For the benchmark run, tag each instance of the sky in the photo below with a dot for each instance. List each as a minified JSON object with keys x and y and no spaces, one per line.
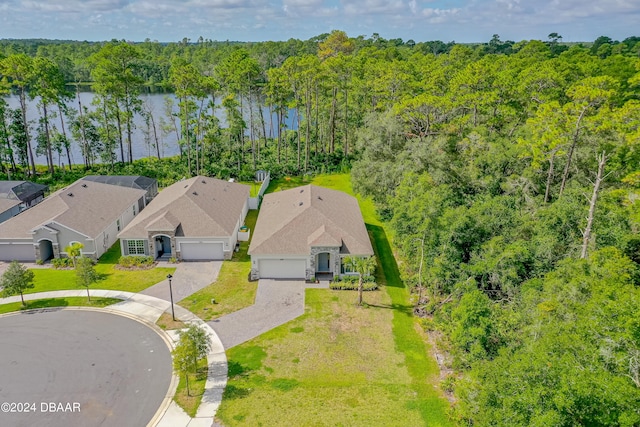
{"x":462,"y":21}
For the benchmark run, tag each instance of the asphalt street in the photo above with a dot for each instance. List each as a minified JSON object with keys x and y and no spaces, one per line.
{"x":80,"y":368}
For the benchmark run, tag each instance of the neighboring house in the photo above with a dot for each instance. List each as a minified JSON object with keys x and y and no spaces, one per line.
{"x":16,"y":196}
{"x":149,"y":185}
{"x":191,"y":220}
{"x":306,"y":231}
{"x":90,"y":213}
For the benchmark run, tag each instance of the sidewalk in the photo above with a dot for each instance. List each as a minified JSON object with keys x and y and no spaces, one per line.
{"x":148,"y":309}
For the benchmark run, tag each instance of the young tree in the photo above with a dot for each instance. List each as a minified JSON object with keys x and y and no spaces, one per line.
{"x":193,"y":346}
{"x":16,"y":280}
{"x":364,"y":266}
{"x":86,"y":274}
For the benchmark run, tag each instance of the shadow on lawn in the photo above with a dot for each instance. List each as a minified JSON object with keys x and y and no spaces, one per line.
{"x":388,"y":273}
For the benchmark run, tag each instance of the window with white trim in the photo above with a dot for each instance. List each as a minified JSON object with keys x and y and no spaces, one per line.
{"x":135,"y":247}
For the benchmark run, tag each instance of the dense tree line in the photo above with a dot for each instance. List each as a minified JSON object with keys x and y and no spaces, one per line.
{"x":507,"y":171}
{"x":511,"y":185}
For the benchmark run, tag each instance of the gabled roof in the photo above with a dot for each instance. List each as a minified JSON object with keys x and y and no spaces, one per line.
{"x":24,"y":191}
{"x":129,"y":181}
{"x":196,"y":207}
{"x":86,"y":207}
{"x":292,"y":221}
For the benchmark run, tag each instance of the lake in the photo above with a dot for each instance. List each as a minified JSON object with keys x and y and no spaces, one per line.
{"x":155,"y":102}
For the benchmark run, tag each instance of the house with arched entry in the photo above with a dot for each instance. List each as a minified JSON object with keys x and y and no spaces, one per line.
{"x":307,"y":232}
{"x":196,"y":219}
{"x":87,"y":212}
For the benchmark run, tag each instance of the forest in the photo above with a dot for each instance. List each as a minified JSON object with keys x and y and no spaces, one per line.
{"x":508,"y":173}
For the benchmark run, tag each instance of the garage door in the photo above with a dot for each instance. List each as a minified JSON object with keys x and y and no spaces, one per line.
{"x":283,"y":268}
{"x":17,"y":252}
{"x":201,"y":251}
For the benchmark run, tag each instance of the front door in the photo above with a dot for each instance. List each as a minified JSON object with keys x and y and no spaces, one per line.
{"x":323,"y":263}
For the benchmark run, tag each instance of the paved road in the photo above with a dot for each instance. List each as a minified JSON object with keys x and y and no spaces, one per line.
{"x":277,"y":302}
{"x":117,"y":369}
{"x":188,"y":279}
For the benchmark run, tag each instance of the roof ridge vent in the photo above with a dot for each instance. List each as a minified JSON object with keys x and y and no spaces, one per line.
{"x":301,"y":203}
{"x":195,"y":193}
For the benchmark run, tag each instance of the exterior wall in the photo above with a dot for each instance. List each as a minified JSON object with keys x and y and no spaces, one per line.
{"x":334,"y":259}
{"x":124,"y":248}
{"x":151,"y":243}
{"x":234,"y":236}
{"x":255,"y":263}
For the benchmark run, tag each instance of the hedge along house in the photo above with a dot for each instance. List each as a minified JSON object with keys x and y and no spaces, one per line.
{"x":90,"y":213}
{"x":16,"y":196}
{"x":193,"y":220}
{"x":305,"y":232}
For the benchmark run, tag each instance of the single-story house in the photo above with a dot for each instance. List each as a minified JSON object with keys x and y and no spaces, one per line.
{"x":307,"y":231}
{"x":16,"y":196}
{"x":90,"y":213}
{"x":191,"y":220}
{"x":147,"y":184}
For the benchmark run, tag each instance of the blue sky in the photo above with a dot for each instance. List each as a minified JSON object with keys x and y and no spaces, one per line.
{"x":258,"y":20}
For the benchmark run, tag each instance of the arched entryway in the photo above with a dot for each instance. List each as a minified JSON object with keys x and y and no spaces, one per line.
{"x":323,"y":262}
{"x":45,"y":249}
{"x":163,"y":246}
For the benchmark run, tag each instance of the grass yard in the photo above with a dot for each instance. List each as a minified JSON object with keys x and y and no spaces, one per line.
{"x":58,"y":302}
{"x":50,"y":279}
{"x":191,"y":400}
{"x":233,"y":290}
{"x":339,"y":364}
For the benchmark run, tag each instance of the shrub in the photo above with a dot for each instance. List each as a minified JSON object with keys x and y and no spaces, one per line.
{"x":135,"y":261}
{"x":350,"y":285}
{"x":62,"y":263}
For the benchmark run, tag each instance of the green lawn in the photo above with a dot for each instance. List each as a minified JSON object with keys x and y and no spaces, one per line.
{"x":339,"y":364}
{"x":233,"y":290}
{"x":189,"y":401}
{"x":58,"y":302}
{"x":50,"y":279}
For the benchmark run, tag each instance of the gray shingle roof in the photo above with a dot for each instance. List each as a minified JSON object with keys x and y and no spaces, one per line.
{"x":86,"y":207}
{"x":292,"y":221}
{"x":196,"y":207}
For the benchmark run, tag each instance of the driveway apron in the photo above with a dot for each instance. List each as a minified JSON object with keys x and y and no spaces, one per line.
{"x":277,"y":302}
{"x":188,"y":279}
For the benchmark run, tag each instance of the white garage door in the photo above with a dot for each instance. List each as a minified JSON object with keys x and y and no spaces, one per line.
{"x":201,"y":251}
{"x":283,"y":268}
{"x":17,"y":252}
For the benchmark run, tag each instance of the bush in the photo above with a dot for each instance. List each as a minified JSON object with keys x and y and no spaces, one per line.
{"x":62,"y":262}
{"x":135,"y":261}
{"x":351,"y":285}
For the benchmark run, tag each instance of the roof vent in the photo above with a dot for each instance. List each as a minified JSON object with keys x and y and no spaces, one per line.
{"x":302,"y":191}
{"x":84,"y":185}
{"x":319,"y":198}
{"x":70,"y":194}
{"x":186,"y":186}
{"x":195,"y":193}
{"x":300,"y":204}
{"x":204,"y":182}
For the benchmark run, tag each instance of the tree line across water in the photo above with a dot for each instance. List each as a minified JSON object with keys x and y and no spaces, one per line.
{"x":508,"y":174}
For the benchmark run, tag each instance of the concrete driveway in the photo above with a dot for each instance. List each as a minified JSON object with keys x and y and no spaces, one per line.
{"x":277,"y":302}
{"x":188,"y":279}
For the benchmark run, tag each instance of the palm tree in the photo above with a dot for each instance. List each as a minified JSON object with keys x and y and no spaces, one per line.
{"x":364,"y":266}
{"x":74,"y":250}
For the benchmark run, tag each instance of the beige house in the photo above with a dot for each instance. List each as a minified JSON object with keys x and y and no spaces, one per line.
{"x":194,"y":219}
{"x":90,"y":213}
{"x":305,"y":232}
